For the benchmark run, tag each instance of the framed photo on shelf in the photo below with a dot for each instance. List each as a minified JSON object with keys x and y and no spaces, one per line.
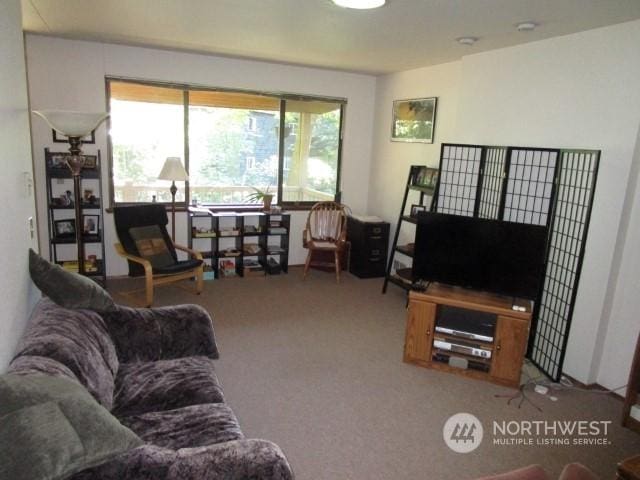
{"x":57,"y":160}
{"x":413,"y":120}
{"x":415,"y":209}
{"x":426,"y":177}
{"x":65,"y":228}
{"x":90,"y":224}
{"x":90,"y":162}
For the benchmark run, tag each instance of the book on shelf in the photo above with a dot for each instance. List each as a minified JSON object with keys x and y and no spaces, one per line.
{"x":72,"y":266}
{"x":251,"y":249}
{"x":227,"y":268}
{"x":273,"y":249}
{"x":229,"y":232}
{"x":277,"y":230}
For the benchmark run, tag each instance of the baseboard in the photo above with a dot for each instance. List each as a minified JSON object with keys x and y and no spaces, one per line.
{"x":595,"y":387}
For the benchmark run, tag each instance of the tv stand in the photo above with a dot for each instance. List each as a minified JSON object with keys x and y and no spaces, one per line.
{"x":496,"y":357}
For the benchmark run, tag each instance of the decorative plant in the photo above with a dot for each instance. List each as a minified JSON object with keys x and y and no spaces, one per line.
{"x":259,"y":195}
{"x":265,"y":196}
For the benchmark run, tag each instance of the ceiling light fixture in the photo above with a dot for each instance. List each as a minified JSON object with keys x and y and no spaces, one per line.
{"x":466,"y":40}
{"x":526,"y":26}
{"x":359,"y":4}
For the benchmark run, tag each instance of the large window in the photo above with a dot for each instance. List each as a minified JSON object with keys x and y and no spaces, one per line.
{"x":231,"y":143}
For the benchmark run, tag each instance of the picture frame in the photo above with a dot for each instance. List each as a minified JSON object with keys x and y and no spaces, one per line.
{"x":415,"y":209}
{"x":413,"y":120}
{"x":426,"y":178}
{"x":91,"y":224}
{"x":57,"y":160}
{"x":90,"y":162}
{"x":65,"y":228}
{"x":59,"y":138}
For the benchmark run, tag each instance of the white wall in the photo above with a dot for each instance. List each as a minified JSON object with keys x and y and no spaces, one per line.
{"x":622,"y":305}
{"x":574,"y":91}
{"x":66,"y":74}
{"x":391,"y":160}
{"x":18,"y":293}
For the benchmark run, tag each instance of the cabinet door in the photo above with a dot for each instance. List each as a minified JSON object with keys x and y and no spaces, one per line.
{"x":510,"y":345}
{"x":419,"y":334}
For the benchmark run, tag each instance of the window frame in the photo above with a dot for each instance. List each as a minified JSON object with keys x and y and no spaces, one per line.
{"x":186,"y":89}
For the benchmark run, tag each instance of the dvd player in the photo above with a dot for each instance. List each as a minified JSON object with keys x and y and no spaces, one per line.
{"x":467,"y":324}
{"x":458,"y":348}
{"x":462,"y":334}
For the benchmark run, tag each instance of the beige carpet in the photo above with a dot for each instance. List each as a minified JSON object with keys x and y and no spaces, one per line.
{"x":317,"y":368}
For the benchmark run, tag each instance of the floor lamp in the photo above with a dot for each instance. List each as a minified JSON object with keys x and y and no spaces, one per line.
{"x":174,"y":171}
{"x":75,"y":126}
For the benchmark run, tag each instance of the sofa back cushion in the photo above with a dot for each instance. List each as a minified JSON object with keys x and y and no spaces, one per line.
{"x":77,"y":339}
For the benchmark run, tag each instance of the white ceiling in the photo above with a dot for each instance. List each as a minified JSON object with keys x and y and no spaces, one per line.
{"x":402,"y":35}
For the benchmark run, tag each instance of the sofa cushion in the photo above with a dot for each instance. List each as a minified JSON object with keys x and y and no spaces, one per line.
{"x":50,"y":427}
{"x":68,"y":289}
{"x":78,"y":339}
{"x":186,"y":427}
{"x":151,"y":245}
{"x":165,"y":385}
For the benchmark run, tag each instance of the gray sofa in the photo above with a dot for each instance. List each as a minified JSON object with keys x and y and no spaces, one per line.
{"x":153,"y":369}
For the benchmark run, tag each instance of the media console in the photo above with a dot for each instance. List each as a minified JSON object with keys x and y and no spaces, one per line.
{"x":471,"y":333}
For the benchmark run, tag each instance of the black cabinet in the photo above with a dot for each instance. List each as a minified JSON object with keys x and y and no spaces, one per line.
{"x":369,"y":244}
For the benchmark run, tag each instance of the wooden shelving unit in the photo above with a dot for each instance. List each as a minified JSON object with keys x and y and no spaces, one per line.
{"x":632,"y":398}
{"x":60,"y":208}
{"x":505,"y":352}
{"x":241,"y":243}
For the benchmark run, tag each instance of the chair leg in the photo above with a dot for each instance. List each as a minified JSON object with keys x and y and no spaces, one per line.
{"x":199,"y":279}
{"x":148,"y":280}
{"x":337,"y":260}
{"x":306,"y":265}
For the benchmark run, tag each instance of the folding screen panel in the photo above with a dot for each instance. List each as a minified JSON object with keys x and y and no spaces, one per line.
{"x":458,"y":179}
{"x":529,"y":191}
{"x":578,"y":172}
{"x":538,"y":186}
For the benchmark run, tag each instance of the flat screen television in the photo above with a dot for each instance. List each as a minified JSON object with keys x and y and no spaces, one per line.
{"x":490,"y":255}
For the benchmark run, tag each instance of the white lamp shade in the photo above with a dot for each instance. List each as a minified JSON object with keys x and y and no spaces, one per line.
{"x":72,"y":124}
{"x":173,"y":170}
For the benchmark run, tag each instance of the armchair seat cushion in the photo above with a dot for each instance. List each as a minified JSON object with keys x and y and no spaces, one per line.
{"x":177,"y":267}
{"x":186,"y":427}
{"x":165,"y":385}
{"x":324,"y":245}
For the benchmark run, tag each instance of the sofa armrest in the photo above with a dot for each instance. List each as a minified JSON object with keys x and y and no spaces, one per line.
{"x":150,"y":334}
{"x":235,"y":460}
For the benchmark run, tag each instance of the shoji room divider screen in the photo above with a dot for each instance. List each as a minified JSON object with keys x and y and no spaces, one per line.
{"x":543,"y":186}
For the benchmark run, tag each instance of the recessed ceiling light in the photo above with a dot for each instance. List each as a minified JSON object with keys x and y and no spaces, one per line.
{"x":359,"y":4}
{"x":466,"y":40}
{"x":526,"y":26}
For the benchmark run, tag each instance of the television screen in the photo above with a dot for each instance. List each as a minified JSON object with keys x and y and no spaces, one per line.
{"x":490,"y":255}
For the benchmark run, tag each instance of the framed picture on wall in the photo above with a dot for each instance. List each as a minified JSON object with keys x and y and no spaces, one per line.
{"x":413,"y":120}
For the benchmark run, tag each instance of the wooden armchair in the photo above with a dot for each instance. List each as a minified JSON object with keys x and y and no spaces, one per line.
{"x":145,"y":243}
{"x":326,"y":231}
